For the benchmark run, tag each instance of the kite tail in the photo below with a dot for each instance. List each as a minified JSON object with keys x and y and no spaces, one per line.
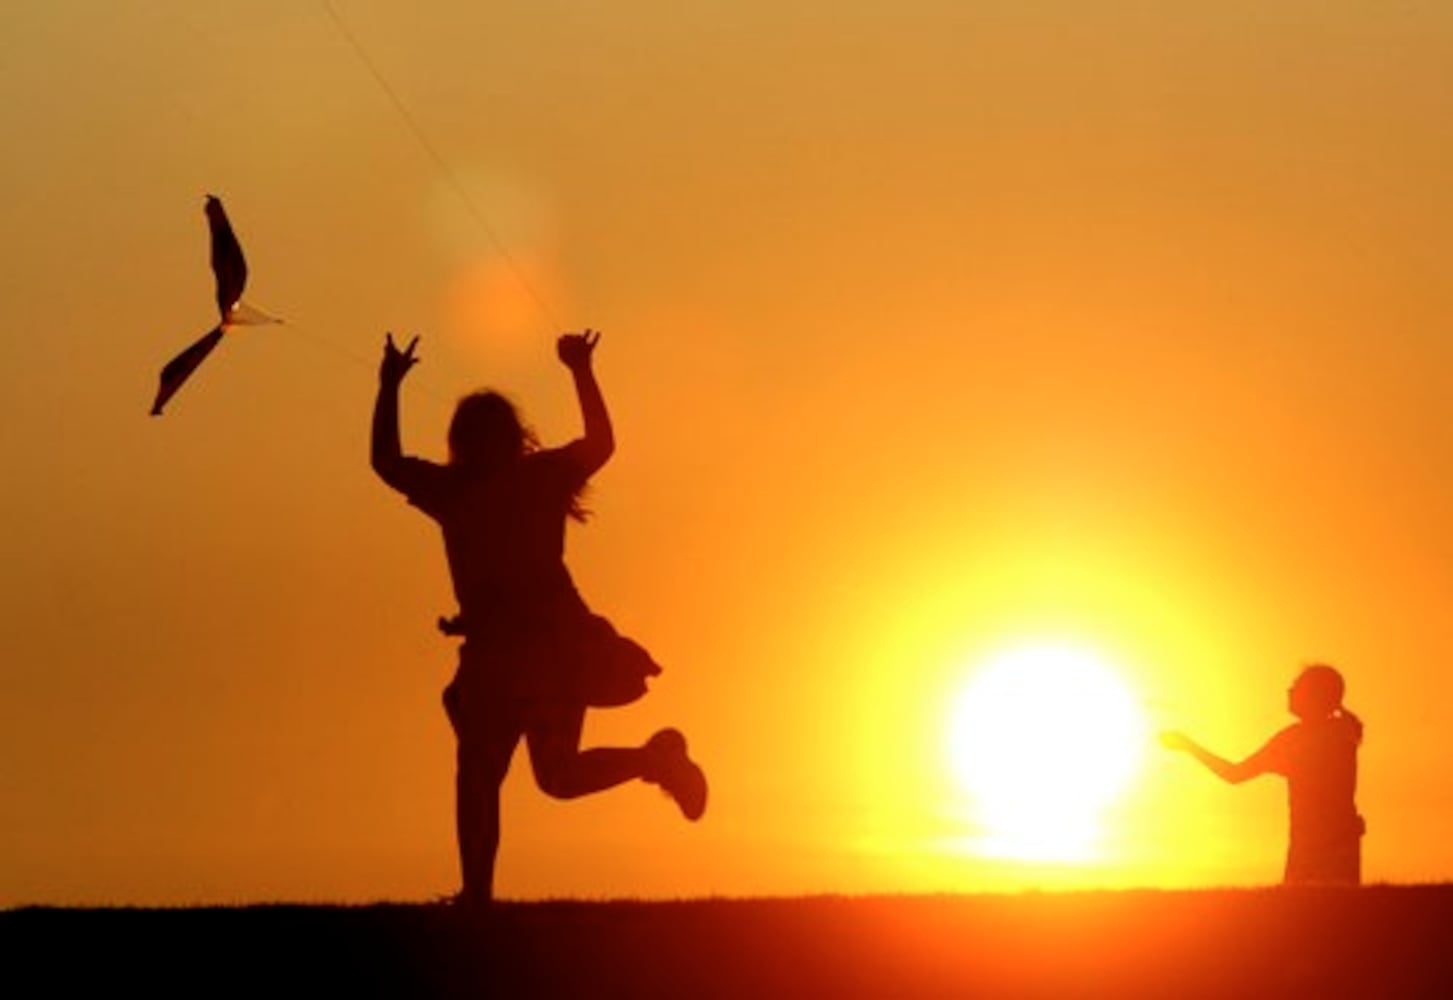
{"x":180,"y":367}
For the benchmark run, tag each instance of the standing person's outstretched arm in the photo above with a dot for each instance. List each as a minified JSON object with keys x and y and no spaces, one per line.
{"x":1234,"y":772}
{"x":575,"y":351}
{"x":387,"y":452}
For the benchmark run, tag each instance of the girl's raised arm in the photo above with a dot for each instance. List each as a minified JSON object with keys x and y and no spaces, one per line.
{"x":575,"y":351}
{"x":387,"y":453}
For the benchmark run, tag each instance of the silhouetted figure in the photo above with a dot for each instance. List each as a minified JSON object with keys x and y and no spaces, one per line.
{"x":534,"y":656}
{"x":1318,"y":757}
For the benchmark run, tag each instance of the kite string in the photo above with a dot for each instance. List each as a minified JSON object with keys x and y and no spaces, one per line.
{"x":423,"y":386}
{"x":442,"y":165}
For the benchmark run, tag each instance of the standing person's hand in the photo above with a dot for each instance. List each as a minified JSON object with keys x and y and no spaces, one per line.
{"x":1173,"y":740}
{"x":396,"y":363}
{"x":575,"y":349}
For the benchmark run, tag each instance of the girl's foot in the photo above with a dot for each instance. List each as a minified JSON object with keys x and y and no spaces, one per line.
{"x":679,"y":777}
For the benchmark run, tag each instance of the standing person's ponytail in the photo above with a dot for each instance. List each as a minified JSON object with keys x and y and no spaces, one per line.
{"x":1324,"y":690}
{"x":1343,"y":712}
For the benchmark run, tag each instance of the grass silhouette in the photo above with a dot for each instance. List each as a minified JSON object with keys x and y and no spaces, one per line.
{"x":1379,"y":941}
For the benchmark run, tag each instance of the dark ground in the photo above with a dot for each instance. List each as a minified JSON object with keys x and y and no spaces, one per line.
{"x":1376,"y":942}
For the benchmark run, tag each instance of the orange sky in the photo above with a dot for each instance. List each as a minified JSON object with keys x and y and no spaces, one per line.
{"x":931,"y":328}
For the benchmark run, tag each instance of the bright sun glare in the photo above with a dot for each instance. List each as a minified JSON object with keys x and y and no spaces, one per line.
{"x":1043,"y":738}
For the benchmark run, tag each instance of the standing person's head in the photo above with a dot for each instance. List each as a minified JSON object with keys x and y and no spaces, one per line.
{"x":1317,"y":694}
{"x":487,"y":432}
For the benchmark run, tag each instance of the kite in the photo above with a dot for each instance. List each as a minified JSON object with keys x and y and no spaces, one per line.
{"x":230,"y":269}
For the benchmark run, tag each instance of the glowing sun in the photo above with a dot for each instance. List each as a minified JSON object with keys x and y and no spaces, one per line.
{"x":1043,"y":738}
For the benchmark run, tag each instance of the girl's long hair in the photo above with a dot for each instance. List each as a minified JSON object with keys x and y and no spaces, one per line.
{"x":486,"y":432}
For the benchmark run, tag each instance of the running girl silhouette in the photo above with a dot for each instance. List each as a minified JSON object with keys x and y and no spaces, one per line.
{"x":534,"y":657}
{"x":1318,"y":756}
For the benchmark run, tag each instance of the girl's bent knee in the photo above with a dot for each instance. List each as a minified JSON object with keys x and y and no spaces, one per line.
{"x":558,"y":783}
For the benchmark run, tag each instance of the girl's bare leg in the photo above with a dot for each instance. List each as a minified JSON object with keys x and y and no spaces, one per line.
{"x":565,"y":771}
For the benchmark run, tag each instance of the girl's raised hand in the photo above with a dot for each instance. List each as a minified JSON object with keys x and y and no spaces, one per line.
{"x":575,"y":349}
{"x":396,"y":363}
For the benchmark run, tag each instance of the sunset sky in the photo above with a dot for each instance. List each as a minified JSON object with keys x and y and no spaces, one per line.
{"x":934,"y":331}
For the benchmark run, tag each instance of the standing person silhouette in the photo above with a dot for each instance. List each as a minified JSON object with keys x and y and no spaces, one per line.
{"x":534,"y":656}
{"x":1318,"y":757}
